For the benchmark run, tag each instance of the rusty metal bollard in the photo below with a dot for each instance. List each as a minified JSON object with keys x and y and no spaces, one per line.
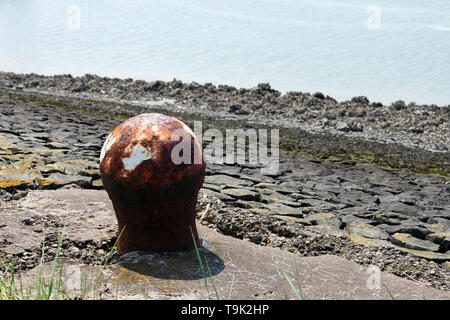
{"x":154,"y":197}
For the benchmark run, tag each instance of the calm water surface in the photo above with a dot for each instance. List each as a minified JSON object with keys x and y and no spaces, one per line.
{"x":386,"y":50}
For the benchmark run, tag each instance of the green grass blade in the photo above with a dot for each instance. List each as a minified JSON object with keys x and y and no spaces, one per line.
{"x":55,"y":261}
{"x":117,"y":291}
{"x":299,"y":296}
{"x":297,"y":276}
{"x":84,"y":289}
{"x":231,"y":288}
{"x":8,"y":290}
{"x":41,"y":268}
{"x":11,"y":282}
{"x":389,"y":291}
{"x":210,"y":277}
{"x":200,"y":262}
{"x":59,"y":290}
{"x":22,"y":296}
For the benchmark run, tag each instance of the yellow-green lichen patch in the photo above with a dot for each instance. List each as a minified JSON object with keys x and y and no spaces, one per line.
{"x":436,"y":227}
{"x":406,"y":240}
{"x":97,"y":184}
{"x":10,"y":158}
{"x":17,"y":167}
{"x":76,"y":167}
{"x":90,"y":173}
{"x":442,"y":238}
{"x":17,"y":180}
{"x":365,"y":230}
{"x":15,"y":184}
{"x":435,"y":256}
{"x":368,"y":241}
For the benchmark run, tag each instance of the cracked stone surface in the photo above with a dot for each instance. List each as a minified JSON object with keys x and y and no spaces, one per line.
{"x":43,"y":147}
{"x":254,"y":270}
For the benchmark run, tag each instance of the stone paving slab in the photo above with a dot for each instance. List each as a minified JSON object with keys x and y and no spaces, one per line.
{"x":47,"y":147}
{"x":252,"y":270}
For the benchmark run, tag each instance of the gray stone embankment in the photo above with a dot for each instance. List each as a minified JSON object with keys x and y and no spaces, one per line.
{"x":403,"y":136}
{"x":240,"y":269}
{"x":395,"y":219}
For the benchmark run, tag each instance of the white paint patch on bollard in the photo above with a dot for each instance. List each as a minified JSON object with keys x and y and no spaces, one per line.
{"x":138,"y":155}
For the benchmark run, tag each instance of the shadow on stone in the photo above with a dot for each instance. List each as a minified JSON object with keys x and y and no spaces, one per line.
{"x":172,"y":265}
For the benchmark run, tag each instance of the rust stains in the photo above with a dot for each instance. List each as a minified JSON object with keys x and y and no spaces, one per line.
{"x":154,"y":198}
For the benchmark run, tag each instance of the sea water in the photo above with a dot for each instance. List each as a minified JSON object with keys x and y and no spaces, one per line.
{"x":386,"y":50}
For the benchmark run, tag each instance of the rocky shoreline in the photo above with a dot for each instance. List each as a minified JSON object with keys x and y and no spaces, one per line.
{"x":424,"y":125}
{"x":367,"y":213}
{"x":413,"y":137}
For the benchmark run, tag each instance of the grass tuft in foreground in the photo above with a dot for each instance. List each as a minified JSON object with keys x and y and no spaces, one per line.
{"x":12,"y":288}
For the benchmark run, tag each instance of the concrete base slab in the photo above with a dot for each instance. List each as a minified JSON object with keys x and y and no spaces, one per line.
{"x":248,"y":270}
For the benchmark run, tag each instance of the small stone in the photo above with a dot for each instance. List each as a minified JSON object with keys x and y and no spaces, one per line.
{"x":74,"y":251}
{"x":262,"y":211}
{"x":365,"y":230}
{"x":93,"y":173}
{"x":368,"y":241}
{"x":267,"y":196}
{"x":407,"y":241}
{"x":17,"y":180}
{"x":222,"y":179}
{"x":281,"y":209}
{"x":436,"y":227}
{"x":390,"y":218}
{"x":19,"y":195}
{"x":285,"y":188}
{"x":409,"y":227}
{"x":356,"y":127}
{"x":211,"y":187}
{"x":221,"y":196}
{"x":97,"y":184}
{"x":342,"y":126}
{"x":292,"y":219}
{"x":71,"y":186}
{"x":56,"y":145}
{"x":324,"y":219}
{"x":28,"y":221}
{"x":242,"y":194}
{"x":435,"y":256}
{"x":57,"y":180}
{"x":441,"y":238}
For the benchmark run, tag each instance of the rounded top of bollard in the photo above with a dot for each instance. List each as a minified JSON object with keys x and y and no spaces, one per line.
{"x":151,"y":148}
